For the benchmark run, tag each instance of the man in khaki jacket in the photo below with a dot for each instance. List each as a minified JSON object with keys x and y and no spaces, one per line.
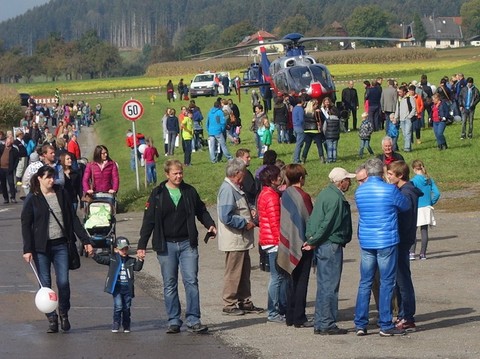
{"x":235,"y":238}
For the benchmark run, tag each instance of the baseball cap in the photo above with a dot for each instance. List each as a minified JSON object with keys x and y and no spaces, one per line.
{"x":338,"y":174}
{"x":122,"y":242}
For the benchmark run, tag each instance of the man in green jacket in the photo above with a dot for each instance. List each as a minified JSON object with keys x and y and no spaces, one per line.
{"x":329,"y":229}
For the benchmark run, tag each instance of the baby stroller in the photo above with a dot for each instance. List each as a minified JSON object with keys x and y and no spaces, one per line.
{"x":100,"y":221}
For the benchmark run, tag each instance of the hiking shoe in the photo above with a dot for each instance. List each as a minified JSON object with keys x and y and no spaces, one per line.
{"x":331,"y":331}
{"x":276,"y":319}
{"x":412,"y":256}
{"x":406,"y":325}
{"x":173,"y":329}
{"x":232,"y":311}
{"x":115,"y":327}
{"x":198,"y":328}
{"x":423,"y":256}
{"x":361,"y":332}
{"x":391,"y":332}
{"x":250,"y":308}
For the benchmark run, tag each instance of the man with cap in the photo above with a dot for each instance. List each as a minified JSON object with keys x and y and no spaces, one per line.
{"x":329,"y":229}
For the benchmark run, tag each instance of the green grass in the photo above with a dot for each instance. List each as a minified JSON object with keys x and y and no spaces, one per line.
{"x":452,"y":169}
{"x":449,"y":168}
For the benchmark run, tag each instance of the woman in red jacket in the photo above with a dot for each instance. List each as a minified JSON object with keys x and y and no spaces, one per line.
{"x":268,"y":207}
{"x":101,"y":175}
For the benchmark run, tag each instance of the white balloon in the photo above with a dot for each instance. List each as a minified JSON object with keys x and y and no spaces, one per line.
{"x":46,"y":300}
{"x":141,"y":148}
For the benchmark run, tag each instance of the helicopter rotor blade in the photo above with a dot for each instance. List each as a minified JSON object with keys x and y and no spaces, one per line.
{"x":347,"y":38}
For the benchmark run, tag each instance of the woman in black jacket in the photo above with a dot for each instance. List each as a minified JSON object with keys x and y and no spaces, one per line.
{"x":73,"y":180}
{"x":45,"y":238}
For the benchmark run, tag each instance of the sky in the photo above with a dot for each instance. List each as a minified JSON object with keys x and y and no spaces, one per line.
{"x":12,"y":8}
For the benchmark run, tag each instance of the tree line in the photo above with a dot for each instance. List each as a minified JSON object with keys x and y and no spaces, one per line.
{"x":83,"y":37}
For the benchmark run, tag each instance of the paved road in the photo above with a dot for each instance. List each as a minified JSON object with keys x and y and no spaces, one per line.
{"x":23,"y":327}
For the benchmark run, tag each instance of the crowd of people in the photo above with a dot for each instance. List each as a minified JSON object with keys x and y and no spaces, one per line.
{"x":293,"y":233}
{"x":42,"y":157}
{"x":386,"y":198}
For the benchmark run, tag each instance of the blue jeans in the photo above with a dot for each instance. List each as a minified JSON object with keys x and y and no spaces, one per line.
{"x":406,"y":126}
{"x":132,"y":158}
{"x":180,"y":254}
{"x":172,"y":136}
{"x":151,"y":172}
{"x":386,"y":260}
{"x":122,"y":301}
{"x":282,"y":133}
{"x":365,"y":144}
{"x":329,"y":258}
{"x":58,"y":255}
{"x":299,"y":140}
{"x":331,"y":150}
{"x":277,"y":289}
{"x":405,"y":290}
{"x":213,"y":142}
{"x":187,"y":155}
{"x":438,"y":130}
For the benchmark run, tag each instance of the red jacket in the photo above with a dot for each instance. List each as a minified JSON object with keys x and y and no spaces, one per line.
{"x":103,"y":179}
{"x":268,"y":207}
{"x":74,"y":148}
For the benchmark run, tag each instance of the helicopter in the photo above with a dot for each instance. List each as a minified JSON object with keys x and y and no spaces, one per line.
{"x":296,"y":73}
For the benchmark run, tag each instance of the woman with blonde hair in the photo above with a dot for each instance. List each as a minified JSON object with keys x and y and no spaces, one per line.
{"x":430,"y":197}
{"x":313,"y":130}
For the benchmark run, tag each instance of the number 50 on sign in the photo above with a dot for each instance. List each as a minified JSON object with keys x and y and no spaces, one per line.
{"x":132,"y":110}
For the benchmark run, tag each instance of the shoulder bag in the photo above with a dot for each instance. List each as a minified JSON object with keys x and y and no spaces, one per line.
{"x":73,"y":256}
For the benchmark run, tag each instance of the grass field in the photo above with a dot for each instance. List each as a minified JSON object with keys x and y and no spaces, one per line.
{"x":452,"y":169}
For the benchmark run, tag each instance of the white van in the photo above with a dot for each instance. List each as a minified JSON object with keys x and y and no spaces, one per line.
{"x":207,"y":84}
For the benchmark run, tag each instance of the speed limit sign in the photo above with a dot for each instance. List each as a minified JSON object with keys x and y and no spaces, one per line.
{"x":132,"y":110}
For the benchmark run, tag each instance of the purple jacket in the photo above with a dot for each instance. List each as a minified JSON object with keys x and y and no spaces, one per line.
{"x":103,"y":179}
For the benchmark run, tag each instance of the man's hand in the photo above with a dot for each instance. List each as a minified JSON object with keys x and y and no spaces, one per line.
{"x":249,"y":225}
{"x":89,"y":249}
{"x":307,"y":247}
{"x":141,"y":254}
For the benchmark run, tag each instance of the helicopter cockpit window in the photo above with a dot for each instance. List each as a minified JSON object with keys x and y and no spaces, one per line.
{"x":320,"y":74}
{"x":301,"y":76}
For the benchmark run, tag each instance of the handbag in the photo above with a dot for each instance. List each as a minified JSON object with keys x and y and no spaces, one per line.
{"x":73,"y":255}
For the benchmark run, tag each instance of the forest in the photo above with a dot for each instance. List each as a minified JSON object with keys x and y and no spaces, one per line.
{"x":134,"y":24}
{"x":105,"y":38}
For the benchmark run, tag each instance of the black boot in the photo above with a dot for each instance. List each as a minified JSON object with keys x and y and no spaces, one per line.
{"x":64,"y":322}
{"x":52,"y":324}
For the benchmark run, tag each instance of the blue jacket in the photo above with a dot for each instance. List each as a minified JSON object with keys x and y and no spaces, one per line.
{"x":298,"y":117}
{"x":172,"y":124}
{"x":431,"y":193}
{"x":216,"y":122}
{"x":407,"y":220}
{"x":378,"y":204}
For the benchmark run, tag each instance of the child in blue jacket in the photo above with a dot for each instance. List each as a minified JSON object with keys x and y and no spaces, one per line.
{"x":119,"y":282}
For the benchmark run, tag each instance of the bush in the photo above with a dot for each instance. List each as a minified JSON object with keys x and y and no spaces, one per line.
{"x":10,"y":109}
